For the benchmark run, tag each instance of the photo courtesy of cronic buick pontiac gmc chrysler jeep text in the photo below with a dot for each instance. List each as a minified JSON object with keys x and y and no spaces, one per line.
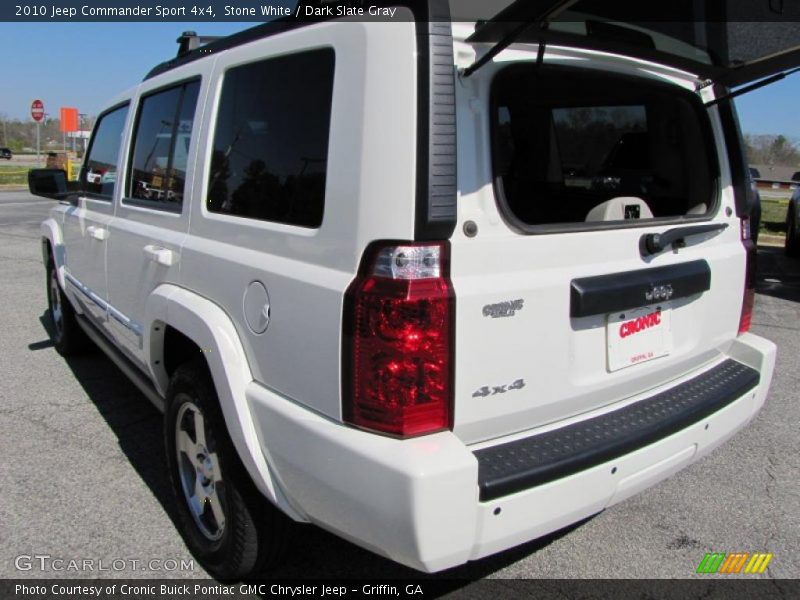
{"x":439,"y":288}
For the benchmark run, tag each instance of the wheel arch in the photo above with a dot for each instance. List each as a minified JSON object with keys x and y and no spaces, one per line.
{"x":181,"y":321}
{"x":53,"y":245}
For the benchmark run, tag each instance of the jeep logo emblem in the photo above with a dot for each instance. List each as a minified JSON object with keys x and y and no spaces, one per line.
{"x":659,"y":292}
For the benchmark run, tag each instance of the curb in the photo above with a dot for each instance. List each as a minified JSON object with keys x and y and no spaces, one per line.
{"x":772,"y":241}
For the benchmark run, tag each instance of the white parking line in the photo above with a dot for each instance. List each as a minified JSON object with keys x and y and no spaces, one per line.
{"x":15,"y":223}
{"x":32,"y":202}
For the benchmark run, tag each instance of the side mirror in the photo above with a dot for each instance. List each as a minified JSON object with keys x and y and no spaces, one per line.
{"x":50,"y":183}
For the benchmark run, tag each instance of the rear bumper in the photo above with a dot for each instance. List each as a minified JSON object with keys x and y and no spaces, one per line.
{"x":419,"y":502}
{"x":518,"y":465}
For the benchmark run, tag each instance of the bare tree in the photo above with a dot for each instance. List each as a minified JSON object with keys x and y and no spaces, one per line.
{"x":773,"y":150}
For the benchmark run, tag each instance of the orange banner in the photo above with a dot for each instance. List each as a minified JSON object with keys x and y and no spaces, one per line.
{"x":69,"y":119}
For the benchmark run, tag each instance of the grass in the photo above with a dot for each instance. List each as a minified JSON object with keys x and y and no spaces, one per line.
{"x":773,"y":216}
{"x":13,"y":175}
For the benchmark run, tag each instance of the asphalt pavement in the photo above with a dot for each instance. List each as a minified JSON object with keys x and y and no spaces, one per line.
{"x":82,"y":473}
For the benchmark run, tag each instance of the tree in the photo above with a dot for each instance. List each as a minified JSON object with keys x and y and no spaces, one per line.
{"x":773,"y":150}
{"x":20,"y":135}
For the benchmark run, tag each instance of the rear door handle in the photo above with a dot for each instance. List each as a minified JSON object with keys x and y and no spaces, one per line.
{"x":97,"y":233}
{"x":161,"y":256}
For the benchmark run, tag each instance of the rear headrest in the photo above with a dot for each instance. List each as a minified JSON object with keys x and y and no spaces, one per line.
{"x":620,"y":209}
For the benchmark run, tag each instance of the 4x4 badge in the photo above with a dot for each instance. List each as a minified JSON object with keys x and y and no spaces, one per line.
{"x":659,"y":292}
{"x":498,"y":389}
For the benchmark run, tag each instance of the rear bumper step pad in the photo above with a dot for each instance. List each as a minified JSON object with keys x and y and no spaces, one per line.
{"x":522,"y":464}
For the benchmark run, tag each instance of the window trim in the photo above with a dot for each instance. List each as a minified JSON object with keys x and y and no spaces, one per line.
{"x":82,"y":176}
{"x":125,"y":198}
{"x":522,"y":227}
{"x":216,"y":92}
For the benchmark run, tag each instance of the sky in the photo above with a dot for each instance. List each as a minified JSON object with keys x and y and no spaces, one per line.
{"x":84,"y":64}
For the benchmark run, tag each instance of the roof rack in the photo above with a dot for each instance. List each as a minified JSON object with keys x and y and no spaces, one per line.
{"x":189,"y":40}
{"x":190,"y":43}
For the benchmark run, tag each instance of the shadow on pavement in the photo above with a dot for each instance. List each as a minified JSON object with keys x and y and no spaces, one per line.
{"x":134,"y":421}
{"x":313,"y":553}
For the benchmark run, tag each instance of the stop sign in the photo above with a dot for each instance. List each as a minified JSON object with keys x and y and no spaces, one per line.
{"x":37,"y":110}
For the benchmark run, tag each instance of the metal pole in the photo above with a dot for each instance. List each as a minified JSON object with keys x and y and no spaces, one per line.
{"x":38,"y":124}
{"x":81,"y":119}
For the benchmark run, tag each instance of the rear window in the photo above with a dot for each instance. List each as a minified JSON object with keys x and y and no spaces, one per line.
{"x":578,"y":146}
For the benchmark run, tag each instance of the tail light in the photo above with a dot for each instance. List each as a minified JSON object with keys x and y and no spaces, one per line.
{"x":748,"y":299}
{"x":398,"y":348}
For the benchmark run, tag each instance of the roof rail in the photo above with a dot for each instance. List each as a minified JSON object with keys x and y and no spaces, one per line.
{"x":189,"y":40}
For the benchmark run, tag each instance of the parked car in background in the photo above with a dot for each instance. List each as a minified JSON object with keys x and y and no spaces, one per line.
{"x":6,"y":153}
{"x":792,"y":244}
{"x":755,"y":204}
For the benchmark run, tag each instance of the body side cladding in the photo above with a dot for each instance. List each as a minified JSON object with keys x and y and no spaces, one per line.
{"x":208,"y":326}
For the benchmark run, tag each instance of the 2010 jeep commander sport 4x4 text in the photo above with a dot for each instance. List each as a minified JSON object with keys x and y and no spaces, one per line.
{"x":440,"y":288}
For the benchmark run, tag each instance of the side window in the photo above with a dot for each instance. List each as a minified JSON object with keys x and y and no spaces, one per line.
{"x":99,"y":173}
{"x":270,"y":153}
{"x":161,"y":146}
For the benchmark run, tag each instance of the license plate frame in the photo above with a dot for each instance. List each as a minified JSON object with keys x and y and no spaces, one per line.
{"x":638,"y":336}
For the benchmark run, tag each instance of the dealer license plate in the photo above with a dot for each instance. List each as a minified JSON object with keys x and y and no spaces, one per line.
{"x":637,"y":336}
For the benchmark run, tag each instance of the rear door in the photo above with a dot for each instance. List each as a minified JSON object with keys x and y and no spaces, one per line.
{"x":152,"y":216}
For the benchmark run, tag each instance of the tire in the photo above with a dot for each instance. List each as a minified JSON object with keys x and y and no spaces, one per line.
{"x":792,"y":246}
{"x":755,"y":219}
{"x":68,"y":337}
{"x":225,"y":521}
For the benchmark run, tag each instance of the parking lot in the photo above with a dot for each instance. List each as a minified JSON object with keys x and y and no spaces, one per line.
{"x":82,"y":471}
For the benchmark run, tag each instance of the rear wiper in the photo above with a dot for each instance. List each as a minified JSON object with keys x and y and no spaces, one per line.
{"x":541,"y":18}
{"x":653,"y":243}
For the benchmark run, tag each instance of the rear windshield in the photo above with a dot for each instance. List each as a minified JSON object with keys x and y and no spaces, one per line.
{"x":578,"y":146}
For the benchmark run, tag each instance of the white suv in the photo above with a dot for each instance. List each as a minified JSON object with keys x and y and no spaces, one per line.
{"x":438,"y":288}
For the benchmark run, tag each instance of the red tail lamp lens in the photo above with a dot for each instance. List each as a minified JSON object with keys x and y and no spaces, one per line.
{"x":749,"y":295}
{"x":398,"y":342}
